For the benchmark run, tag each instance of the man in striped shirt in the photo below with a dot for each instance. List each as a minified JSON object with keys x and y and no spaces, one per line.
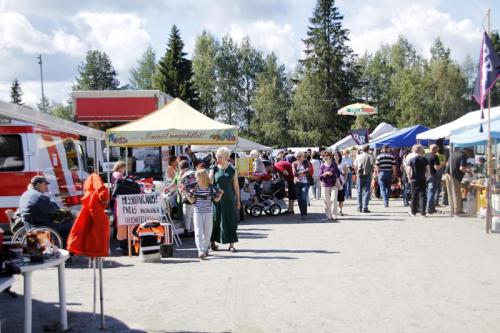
{"x":386,"y":170}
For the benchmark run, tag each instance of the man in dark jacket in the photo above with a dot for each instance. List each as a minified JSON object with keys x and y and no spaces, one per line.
{"x":37,"y":209}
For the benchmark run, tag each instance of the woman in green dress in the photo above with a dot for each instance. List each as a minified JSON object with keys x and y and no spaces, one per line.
{"x":224,"y":176}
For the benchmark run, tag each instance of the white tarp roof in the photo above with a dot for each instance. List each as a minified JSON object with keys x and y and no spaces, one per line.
{"x":29,"y":115}
{"x":381,"y":130}
{"x":242,"y":145}
{"x":467,"y":121}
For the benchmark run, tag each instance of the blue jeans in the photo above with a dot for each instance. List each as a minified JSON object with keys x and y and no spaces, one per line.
{"x":384,"y":182}
{"x":348,"y":185}
{"x":364,"y":188}
{"x":302,"y":190}
{"x":439,"y":179}
{"x":431,"y":194}
{"x":406,"y":193}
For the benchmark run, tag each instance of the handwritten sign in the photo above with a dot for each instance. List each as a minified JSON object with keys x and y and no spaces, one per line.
{"x":138,"y":208}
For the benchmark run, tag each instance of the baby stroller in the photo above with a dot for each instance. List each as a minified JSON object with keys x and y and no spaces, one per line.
{"x":266,"y":199}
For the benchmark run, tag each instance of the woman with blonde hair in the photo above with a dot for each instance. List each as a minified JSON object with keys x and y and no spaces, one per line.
{"x":225,"y":177}
{"x":118,"y":171}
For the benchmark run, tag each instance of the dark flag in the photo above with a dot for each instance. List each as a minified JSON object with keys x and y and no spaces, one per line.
{"x":488,"y":71}
{"x":360,"y":135}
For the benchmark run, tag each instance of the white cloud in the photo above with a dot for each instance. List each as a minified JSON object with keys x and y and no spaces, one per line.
{"x":55,"y":91}
{"x":121,"y":36}
{"x":17,"y":33}
{"x":270,"y":36}
{"x":421,"y":24}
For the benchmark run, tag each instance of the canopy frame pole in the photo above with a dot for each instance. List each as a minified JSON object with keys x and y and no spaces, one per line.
{"x":489,"y":155}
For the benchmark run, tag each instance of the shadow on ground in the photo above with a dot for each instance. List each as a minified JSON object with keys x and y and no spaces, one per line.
{"x":46,"y":318}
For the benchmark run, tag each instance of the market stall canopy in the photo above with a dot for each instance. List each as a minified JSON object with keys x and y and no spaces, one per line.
{"x":177,"y":123}
{"x":379,"y":131}
{"x":467,"y":121}
{"x":357,"y":109}
{"x":405,"y":137}
{"x":473,"y":137}
{"x":242,"y":145}
{"x":23,"y":113}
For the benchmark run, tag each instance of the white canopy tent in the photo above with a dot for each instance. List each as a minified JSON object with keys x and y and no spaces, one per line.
{"x":379,"y":131}
{"x":467,"y":121}
{"x":243,"y":144}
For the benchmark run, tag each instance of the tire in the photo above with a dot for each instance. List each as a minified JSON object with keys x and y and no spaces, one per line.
{"x":255,"y":211}
{"x":247,"y":210}
{"x":55,"y":238}
{"x":274,"y":210}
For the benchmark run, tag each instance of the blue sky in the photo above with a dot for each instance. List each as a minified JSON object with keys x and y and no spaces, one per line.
{"x":62,"y":31}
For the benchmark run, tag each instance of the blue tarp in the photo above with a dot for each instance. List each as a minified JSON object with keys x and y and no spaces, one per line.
{"x":405,"y":137}
{"x":473,"y":137}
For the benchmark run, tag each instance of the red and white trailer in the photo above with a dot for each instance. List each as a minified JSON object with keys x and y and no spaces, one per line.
{"x":33,"y":143}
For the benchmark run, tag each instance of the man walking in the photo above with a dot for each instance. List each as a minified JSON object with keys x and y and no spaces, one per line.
{"x":386,"y":170}
{"x":432,"y":181}
{"x":364,"y":169}
{"x":348,"y":177}
{"x":418,"y":171}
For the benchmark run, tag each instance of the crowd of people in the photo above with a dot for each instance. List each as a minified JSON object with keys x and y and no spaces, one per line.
{"x":205,"y":193}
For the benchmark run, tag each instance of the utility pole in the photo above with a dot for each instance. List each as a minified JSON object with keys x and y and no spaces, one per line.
{"x":41,"y":80}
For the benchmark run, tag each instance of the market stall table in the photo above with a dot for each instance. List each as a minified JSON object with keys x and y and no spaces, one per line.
{"x":27,"y":271}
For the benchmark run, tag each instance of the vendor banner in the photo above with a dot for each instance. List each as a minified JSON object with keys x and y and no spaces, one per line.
{"x":138,"y":208}
{"x":171,"y":137}
{"x":360,"y":135}
{"x":488,"y":70}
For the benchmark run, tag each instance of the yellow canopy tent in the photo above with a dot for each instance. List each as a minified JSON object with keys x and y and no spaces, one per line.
{"x":175,"y":124}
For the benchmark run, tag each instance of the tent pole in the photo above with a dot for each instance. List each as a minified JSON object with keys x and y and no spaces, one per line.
{"x":101,"y":293}
{"x":107,"y":160}
{"x":126,"y":161}
{"x":489,"y":155}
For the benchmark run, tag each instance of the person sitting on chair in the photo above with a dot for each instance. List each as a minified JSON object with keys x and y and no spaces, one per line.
{"x":38,"y":210}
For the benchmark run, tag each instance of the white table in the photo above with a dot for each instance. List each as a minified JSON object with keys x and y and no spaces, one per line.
{"x":6,"y":282}
{"x":27,"y":271}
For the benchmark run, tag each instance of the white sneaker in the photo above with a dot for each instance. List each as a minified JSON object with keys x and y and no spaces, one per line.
{"x":411,"y":214}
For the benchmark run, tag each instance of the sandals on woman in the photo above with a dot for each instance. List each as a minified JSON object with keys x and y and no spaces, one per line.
{"x":232,"y":249}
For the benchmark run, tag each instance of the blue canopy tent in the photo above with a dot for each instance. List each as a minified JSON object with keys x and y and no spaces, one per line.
{"x":473,"y":137}
{"x":405,"y":137}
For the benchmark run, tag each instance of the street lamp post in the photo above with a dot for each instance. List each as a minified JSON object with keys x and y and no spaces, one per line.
{"x":41,"y":80}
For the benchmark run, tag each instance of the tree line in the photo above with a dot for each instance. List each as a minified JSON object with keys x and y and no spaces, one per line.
{"x":240,"y":84}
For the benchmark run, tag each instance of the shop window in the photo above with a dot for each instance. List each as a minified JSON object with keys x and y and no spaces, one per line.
{"x":71,"y":155}
{"x":11,"y":153}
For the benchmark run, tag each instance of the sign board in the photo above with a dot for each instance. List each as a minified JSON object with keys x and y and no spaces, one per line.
{"x":244,"y":166}
{"x":108,"y":166}
{"x":138,"y":208}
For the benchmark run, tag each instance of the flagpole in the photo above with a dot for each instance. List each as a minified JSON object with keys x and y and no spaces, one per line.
{"x":490,"y":153}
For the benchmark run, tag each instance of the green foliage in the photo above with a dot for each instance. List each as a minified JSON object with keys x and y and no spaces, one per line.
{"x":96,"y":73}
{"x":330,"y":76}
{"x":205,"y":73}
{"x":251,"y":65}
{"x":174,"y":71}
{"x":61,"y":111}
{"x":228,"y":82}
{"x":141,"y":77}
{"x":44,"y":105}
{"x":271,"y":104}
{"x":495,"y":92}
{"x":16,"y":93}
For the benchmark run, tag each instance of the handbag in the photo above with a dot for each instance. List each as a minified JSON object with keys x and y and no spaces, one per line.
{"x":126,"y":186}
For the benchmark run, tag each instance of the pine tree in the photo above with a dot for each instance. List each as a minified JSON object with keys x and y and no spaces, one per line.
{"x":16,"y":93}
{"x":272,"y":103}
{"x":96,"y":73}
{"x":142,"y":75}
{"x":44,"y":105}
{"x":330,"y":73}
{"x":205,"y":73}
{"x":174,"y":72}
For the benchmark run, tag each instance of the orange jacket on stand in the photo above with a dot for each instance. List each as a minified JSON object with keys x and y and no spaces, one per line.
{"x":90,"y":233}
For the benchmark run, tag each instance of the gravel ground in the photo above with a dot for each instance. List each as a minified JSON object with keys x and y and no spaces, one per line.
{"x":378,"y":272}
